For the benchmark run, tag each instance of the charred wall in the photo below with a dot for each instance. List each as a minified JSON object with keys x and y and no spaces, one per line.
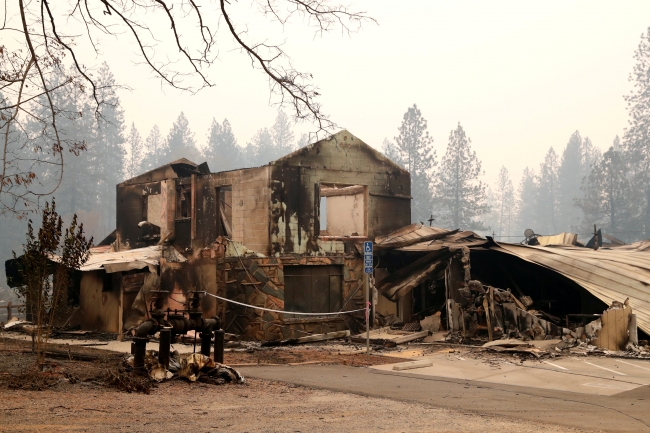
{"x":129,"y":214}
{"x":261,"y":282}
{"x":295,"y":202}
{"x":250,"y":207}
{"x":99,"y":302}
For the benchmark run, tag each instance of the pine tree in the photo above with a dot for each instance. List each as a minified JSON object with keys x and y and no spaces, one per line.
{"x":547,"y":194}
{"x":413,"y":150}
{"x":491,"y":218}
{"x":636,"y":141}
{"x":460,"y":195}
{"x":156,"y":149}
{"x":591,"y":155}
{"x":107,"y":148}
{"x":77,"y":190}
{"x":222,"y":152}
{"x":505,"y":201}
{"x":391,"y":152}
{"x":135,"y":153}
{"x":569,"y":176}
{"x":302,"y":141}
{"x":180,"y":142}
{"x":527,"y":217}
{"x":283,"y":139}
{"x":261,"y":150}
{"x":608,"y":197}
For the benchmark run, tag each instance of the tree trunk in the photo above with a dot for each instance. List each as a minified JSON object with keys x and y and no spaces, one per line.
{"x":646,"y":219}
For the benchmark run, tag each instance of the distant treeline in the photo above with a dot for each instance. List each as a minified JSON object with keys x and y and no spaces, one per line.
{"x":569,"y":192}
{"x":107,"y":152}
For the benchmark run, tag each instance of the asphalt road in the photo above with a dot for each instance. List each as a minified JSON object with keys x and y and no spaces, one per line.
{"x":624,"y":412}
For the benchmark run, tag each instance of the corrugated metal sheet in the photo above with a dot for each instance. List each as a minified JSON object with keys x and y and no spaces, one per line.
{"x":459,"y":239}
{"x":420,"y":238}
{"x":413,"y":231}
{"x":417,"y":238}
{"x":610,"y":274}
{"x":139,"y":258}
{"x":564,"y":238}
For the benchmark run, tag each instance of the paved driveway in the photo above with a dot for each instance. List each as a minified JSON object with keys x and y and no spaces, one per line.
{"x":585,"y":375}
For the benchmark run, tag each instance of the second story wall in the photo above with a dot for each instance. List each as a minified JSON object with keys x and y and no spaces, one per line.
{"x":363,"y":193}
{"x":234,"y":204}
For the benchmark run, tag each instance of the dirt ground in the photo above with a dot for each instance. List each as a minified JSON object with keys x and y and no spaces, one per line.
{"x":73,"y":397}
{"x":258,"y":406}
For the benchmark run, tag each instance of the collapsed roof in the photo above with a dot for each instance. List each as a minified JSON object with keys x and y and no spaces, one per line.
{"x":610,"y":274}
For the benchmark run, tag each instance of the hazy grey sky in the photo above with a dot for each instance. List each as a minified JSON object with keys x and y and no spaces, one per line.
{"x":520,"y":76}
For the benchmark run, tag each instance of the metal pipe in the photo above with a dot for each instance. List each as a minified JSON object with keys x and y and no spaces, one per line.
{"x":146,"y":328}
{"x":209,"y":324}
{"x":218,"y":345}
{"x":206,"y":342}
{"x":164,"y":346}
{"x":138,"y":356}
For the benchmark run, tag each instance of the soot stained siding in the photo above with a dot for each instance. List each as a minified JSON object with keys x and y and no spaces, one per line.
{"x":273,"y":217}
{"x":341,"y":160}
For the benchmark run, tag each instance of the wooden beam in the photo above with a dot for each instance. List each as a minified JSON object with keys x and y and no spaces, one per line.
{"x":399,"y":196}
{"x":224,"y":220}
{"x":412,"y":337}
{"x":308,"y":339}
{"x":348,"y":190}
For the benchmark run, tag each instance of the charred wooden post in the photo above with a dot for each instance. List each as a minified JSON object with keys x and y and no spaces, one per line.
{"x":206,"y":342}
{"x":164,"y":346}
{"x":219,"y":335}
{"x":140,"y":350}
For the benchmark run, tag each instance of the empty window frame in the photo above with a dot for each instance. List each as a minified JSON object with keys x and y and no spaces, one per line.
{"x":224,"y":211}
{"x":184,"y":202}
{"x":343,"y":210}
{"x":151,"y":213}
{"x":313,"y":289}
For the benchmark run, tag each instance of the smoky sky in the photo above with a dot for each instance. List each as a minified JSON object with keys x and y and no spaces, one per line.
{"x":519,"y":76}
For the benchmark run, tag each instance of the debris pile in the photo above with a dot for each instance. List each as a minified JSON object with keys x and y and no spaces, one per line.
{"x":189,"y":366}
{"x":499,"y":312}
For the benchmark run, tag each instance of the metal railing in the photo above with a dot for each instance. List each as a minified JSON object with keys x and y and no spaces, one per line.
{"x":12,"y":310}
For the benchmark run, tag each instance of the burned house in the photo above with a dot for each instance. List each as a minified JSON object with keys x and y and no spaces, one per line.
{"x":475,"y":285}
{"x":287,"y":236}
{"x":283,"y":236}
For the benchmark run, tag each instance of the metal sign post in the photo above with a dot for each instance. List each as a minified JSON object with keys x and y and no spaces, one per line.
{"x":367,"y":266}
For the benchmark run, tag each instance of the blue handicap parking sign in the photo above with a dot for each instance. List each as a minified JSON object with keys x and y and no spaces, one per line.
{"x":367,"y":247}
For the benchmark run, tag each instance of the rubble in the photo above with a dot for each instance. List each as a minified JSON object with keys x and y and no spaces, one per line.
{"x":15,"y":323}
{"x":308,"y":339}
{"x":389,"y":337}
{"x":189,"y":366}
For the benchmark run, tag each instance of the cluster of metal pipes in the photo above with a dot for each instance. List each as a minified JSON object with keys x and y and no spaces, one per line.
{"x":170,"y":323}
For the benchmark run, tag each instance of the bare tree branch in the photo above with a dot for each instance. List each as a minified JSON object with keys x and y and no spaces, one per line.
{"x":180,"y":57}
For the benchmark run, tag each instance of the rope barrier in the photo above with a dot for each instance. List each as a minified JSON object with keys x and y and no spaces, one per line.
{"x":285,"y":312}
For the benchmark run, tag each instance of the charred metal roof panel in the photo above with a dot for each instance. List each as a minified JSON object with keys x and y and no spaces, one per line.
{"x":564,"y":238}
{"x":454,"y":239}
{"x":610,"y":274}
{"x":413,"y":231}
{"x":420,"y":238}
{"x":139,"y":258}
